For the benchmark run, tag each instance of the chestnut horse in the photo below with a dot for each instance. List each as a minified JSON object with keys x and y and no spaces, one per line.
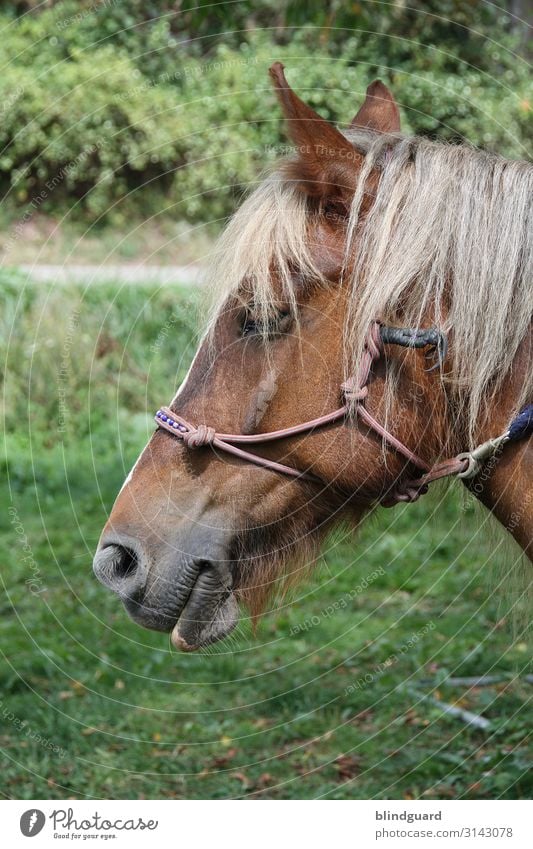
{"x":310,"y":399}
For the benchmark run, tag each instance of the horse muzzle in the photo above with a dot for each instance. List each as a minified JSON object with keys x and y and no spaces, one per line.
{"x":188,"y":594}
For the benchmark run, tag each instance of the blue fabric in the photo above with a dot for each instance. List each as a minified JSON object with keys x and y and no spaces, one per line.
{"x":522,"y":425}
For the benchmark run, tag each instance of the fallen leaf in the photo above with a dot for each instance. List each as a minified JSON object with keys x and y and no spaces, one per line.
{"x":223,"y":760}
{"x":241,"y":777}
{"x":264,"y":780}
{"x":348,"y":766}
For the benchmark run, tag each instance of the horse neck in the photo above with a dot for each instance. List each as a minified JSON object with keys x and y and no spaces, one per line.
{"x":504,"y":483}
{"x":504,"y":487}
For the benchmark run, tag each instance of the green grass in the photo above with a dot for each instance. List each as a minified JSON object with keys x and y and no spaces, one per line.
{"x":327,"y":699}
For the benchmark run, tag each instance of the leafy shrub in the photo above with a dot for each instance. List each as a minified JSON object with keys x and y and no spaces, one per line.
{"x":111,"y":108}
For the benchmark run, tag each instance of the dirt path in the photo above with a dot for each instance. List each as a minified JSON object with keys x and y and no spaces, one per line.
{"x":124,"y":273}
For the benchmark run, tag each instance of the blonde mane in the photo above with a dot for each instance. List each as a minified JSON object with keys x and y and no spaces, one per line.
{"x":447,"y":240}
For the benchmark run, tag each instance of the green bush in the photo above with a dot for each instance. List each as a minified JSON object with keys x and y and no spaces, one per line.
{"x":106,"y":113}
{"x":85,"y":126}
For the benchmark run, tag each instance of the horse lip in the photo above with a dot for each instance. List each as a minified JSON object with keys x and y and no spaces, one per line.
{"x":148,"y":617}
{"x":209,"y":581}
{"x":211,"y":611}
{"x":179,"y":642}
{"x":212,"y":632}
{"x":154,"y":615}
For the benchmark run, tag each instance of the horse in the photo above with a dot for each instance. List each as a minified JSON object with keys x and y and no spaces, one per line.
{"x":370,"y":332}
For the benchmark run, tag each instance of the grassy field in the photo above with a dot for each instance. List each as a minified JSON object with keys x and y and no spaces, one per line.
{"x":338,"y":694}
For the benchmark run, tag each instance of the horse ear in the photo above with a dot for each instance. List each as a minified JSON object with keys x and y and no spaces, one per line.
{"x":379,"y":111}
{"x":328,"y":164}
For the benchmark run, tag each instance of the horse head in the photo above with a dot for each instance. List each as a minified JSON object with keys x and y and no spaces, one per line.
{"x":195,"y":528}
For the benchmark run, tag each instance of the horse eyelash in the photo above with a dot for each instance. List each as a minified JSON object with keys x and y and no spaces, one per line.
{"x":251,"y":326}
{"x":334,"y":211}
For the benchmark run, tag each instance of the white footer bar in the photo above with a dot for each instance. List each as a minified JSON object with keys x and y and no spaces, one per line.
{"x":267,"y":824}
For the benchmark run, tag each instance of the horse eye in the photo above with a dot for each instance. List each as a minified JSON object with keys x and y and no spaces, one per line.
{"x":249,"y":327}
{"x":335,"y":211}
{"x":257,"y":327}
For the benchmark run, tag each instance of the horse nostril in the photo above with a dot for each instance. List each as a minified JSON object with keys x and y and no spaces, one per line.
{"x":119,"y":568}
{"x":126,"y":562}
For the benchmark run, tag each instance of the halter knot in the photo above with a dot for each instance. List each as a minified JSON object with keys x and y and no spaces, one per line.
{"x":352,"y":391}
{"x":199,"y":436}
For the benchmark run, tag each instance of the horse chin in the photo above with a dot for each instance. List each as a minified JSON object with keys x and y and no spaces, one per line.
{"x":210,"y":614}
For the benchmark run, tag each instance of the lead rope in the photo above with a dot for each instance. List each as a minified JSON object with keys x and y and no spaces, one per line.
{"x":468,"y":464}
{"x":355,"y":391}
